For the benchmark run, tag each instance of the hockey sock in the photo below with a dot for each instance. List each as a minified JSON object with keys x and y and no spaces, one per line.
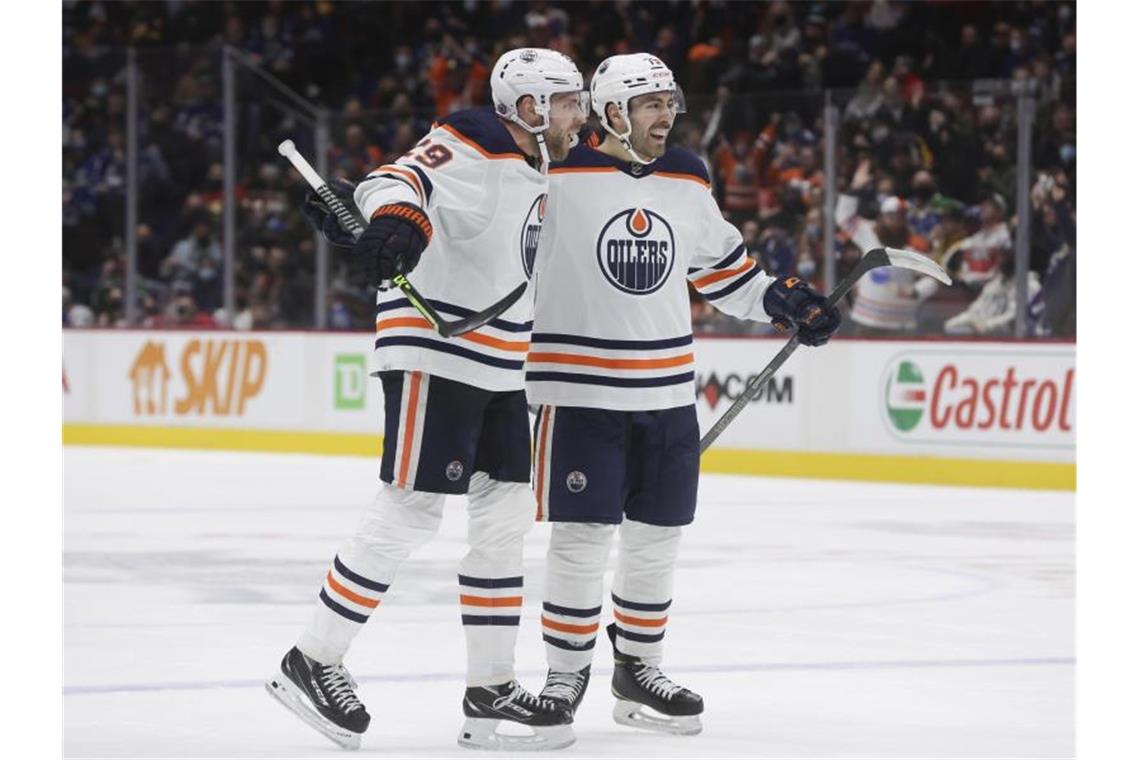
{"x":490,"y":576}
{"x":397,"y":523}
{"x":572,"y":605}
{"x":643,"y":587}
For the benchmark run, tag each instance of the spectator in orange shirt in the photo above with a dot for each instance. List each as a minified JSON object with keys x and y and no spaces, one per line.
{"x":458,"y":79}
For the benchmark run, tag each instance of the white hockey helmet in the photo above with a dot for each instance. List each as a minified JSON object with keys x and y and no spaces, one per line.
{"x":620,"y":78}
{"x":540,"y":73}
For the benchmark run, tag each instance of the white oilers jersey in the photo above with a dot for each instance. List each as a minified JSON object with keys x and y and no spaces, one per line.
{"x":485,"y":202}
{"x":619,"y":246}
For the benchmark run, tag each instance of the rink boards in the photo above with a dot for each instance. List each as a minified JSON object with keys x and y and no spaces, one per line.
{"x":966,"y":413}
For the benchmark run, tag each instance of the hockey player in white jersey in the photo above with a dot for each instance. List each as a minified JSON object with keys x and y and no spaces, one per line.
{"x":629,"y":225}
{"x":463,"y":210}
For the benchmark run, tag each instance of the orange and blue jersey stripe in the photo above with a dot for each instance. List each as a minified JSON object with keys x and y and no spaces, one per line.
{"x":729,"y":274}
{"x":588,"y":360}
{"x":501,"y":343}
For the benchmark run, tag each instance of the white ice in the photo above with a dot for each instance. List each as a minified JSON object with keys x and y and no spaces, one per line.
{"x":818,"y":619}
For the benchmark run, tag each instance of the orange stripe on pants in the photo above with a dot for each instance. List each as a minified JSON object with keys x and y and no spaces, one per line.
{"x":540,"y":473}
{"x":410,"y":428}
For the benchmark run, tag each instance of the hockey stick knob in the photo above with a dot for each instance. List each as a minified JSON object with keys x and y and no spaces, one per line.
{"x":289,"y":151}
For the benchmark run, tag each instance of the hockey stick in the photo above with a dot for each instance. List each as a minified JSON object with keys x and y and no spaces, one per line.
{"x":421,"y":304}
{"x":878,"y":257}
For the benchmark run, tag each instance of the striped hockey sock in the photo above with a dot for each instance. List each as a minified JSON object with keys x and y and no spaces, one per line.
{"x":641,"y":626}
{"x":490,"y":610}
{"x":346,"y":601}
{"x":569,"y":633}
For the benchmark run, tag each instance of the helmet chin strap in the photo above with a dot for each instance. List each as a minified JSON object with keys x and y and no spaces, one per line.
{"x":539,"y":133}
{"x":540,"y":137}
{"x":624,"y":137}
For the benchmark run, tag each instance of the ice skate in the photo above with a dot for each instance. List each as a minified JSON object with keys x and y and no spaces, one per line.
{"x":487,"y":706}
{"x":647,"y":699}
{"x":566,"y":688}
{"x":323,"y":696}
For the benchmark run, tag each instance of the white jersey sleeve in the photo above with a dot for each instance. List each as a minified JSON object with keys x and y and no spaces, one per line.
{"x":722,"y":271}
{"x":485,"y":201}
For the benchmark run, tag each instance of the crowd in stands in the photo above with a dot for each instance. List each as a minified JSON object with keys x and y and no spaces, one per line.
{"x":926,"y":153}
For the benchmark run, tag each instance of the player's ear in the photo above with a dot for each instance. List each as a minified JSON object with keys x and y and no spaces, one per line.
{"x":525,"y":106}
{"x":613,"y":115}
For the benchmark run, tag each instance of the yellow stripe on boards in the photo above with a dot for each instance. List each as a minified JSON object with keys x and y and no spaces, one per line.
{"x":1059,"y":476}
{"x":223,"y":439}
{"x":1049,"y":476}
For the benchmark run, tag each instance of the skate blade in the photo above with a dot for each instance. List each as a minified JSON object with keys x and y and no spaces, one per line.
{"x":480,"y":733}
{"x":283,"y":690}
{"x":639,"y":716}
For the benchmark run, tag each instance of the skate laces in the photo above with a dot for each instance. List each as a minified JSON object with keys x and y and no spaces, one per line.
{"x":651,"y":677}
{"x":347,"y":676}
{"x":522,"y":696}
{"x":339,"y":685}
{"x":563,"y":686}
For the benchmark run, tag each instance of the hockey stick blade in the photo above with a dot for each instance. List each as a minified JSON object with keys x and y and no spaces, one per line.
{"x":480,"y":318}
{"x":349,"y":221}
{"x":874,"y":259}
{"x":917,"y":262}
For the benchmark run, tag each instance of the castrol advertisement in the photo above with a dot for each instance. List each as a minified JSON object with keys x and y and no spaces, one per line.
{"x":998,"y":400}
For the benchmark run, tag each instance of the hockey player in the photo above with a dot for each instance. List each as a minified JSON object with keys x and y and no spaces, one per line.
{"x":463,"y":210}
{"x":630,"y":224}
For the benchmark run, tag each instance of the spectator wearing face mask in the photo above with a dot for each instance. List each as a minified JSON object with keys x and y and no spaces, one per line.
{"x":926,"y":204}
{"x":776,"y":251}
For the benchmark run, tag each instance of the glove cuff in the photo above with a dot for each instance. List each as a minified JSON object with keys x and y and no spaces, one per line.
{"x":783,"y":297}
{"x":409,"y":212}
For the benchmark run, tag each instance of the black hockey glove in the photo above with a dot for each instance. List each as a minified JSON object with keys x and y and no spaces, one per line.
{"x":791,"y":302}
{"x":322,"y":218}
{"x":392,"y":244}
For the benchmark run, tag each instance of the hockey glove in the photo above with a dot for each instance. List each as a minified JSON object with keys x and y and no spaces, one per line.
{"x":392,"y":244}
{"x":322,"y":218}
{"x":791,"y":302}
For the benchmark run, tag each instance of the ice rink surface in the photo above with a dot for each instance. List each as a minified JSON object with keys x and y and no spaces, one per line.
{"x":818,"y":619}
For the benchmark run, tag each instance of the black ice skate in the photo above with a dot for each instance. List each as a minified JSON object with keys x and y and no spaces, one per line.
{"x":566,"y":688}
{"x":638,"y":685}
{"x":486,"y":706}
{"x":323,"y":696}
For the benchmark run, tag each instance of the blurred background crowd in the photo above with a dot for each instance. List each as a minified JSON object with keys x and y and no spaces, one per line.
{"x":926,"y":151}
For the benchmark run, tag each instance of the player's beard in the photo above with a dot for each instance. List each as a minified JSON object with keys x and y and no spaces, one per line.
{"x":558,"y":144}
{"x":644,"y":145}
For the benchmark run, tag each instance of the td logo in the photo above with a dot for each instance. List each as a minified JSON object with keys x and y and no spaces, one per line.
{"x":349,"y":384}
{"x":906,"y":396}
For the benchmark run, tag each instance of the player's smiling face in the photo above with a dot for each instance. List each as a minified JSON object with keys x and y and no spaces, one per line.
{"x":651,"y":118}
{"x":567,"y":117}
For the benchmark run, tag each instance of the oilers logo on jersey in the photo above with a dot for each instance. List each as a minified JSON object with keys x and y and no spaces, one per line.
{"x":531,"y":229}
{"x":636,"y":249}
